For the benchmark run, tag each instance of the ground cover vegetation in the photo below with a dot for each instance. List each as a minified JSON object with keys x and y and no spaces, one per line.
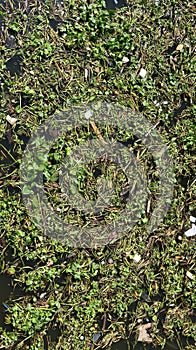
{"x":55,"y":55}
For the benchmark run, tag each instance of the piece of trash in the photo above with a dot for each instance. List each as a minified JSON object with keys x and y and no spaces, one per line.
{"x":193,"y":219}
{"x":42,"y":295}
{"x":86,"y":73}
{"x":96,"y":337}
{"x":137,"y":258}
{"x":6,"y":306}
{"x":156,"y":103}
{"x":11,"y":120}
{"x":88,"y":114}
{"x":179,"y":47}
{"x":59,"y":210}
{"x":192,"y":231}
{"x":125,"y":59}
{"x":143,"y":334}
{"x":190,"y":275}
{"x":142,"y":73}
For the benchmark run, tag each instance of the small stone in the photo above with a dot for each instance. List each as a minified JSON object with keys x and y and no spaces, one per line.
{"x":125,"y":59}
{"x":11,"y":120}
{"x":142,"y":73}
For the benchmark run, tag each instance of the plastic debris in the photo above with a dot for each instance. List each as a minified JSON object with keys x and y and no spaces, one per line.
{"x":96,"y":337}
{"x":11,"y":120}
{"x":88,"y":114}
{"x":137,"y":258}
{"x":86,"y":73}
{"x":125,"y":59}
{"x":143,"y":334}
{"x":142,"y":73}
{"x":192,"y":231}
{"x":190,"y":275}
{"x":6,"y":306}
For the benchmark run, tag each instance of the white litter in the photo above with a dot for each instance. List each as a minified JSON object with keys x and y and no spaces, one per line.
{"x":137,"y":258}
{"x":125,"y":59}
{"x":142,"y":73}
{"x":192,"y":231}
{"x":143,"y":334}
{"x":11,"y":120}
{"x":88,"y":114}
{"x":86,"y":73}
{"x":156,"y":103}
{"x":190,"y":275}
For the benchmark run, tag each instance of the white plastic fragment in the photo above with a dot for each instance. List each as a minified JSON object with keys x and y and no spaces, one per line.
{"x":86,"y":73}
{"x":59,"y":210}
{"x":125,"y":59}
{"x":137,"y":258}
{"x":143,"y":334}
{"x":192,"y":231}
{"x":88,"y":114}
{"x":156,"y":103}
{"x":11,"y":120}
{"x":190,"y":275}
{"x":192,"y":219}
{"x":42,"y":295}
{"x":142,"y":73}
